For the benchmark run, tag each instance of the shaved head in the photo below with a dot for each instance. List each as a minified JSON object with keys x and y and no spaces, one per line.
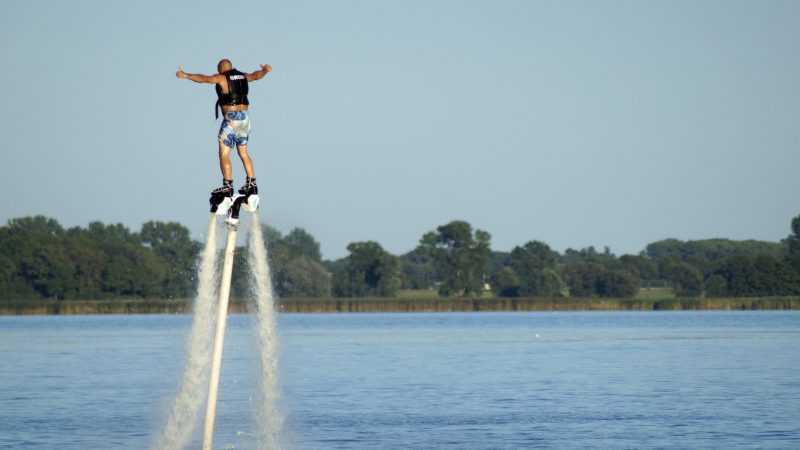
{"x":224,"y":65}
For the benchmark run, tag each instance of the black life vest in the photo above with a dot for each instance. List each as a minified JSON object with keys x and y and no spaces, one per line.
{"x":237,"y":91}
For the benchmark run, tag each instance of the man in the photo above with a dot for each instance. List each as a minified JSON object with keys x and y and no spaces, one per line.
{"x":232,"y":87}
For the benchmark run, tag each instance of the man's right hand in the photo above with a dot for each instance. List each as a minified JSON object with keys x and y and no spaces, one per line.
{"x":266,"y":68}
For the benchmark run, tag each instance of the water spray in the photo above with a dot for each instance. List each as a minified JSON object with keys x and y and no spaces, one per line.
{"x":178,"y":430}
{"x":183,"y":417}
{"x":268,"y":414}
{"x":219,"y":338}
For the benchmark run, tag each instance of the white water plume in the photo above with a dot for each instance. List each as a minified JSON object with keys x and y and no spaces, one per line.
{"x":183,"y":417}
{"x":269,"y":419}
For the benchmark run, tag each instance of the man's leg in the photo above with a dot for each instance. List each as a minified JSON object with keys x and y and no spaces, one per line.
{"x":227,"y":172}
{"x":246,"y":161}
{"x":249,"y":187}
{"x":225,"y":161}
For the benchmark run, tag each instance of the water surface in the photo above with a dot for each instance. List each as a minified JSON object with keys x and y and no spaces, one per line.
{"x":453,"y":380}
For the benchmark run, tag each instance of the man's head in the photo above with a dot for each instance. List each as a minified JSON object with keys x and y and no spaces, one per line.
{"x":224,"y":65}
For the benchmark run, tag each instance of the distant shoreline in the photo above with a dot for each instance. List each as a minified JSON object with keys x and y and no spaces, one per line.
{"x":400,"y":305}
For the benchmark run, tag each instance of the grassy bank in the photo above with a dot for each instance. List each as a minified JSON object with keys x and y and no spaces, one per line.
{"x":332,"y":305}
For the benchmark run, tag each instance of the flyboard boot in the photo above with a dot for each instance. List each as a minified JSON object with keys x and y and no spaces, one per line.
{"x":222,"y":198}
{"x":248,"y":197}
{"x":249,"y":188}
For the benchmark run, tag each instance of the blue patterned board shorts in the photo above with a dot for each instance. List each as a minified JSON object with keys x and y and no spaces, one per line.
{"x":235,"y":128}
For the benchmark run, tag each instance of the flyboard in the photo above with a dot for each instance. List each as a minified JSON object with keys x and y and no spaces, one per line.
{"x":229,"y":207}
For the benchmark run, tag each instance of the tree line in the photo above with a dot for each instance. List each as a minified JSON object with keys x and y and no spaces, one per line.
{"x":41,"y":259}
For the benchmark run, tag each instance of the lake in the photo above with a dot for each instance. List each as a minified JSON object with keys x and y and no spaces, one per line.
{"x":440,"y":381}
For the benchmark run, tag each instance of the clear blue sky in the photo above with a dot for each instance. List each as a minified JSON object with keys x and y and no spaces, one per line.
{"x":576,"y":123}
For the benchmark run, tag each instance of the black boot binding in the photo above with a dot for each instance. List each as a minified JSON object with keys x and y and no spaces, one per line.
{"x":226,"y":190}
{"x":250,"y":187}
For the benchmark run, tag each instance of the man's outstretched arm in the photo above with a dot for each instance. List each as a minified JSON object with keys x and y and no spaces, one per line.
{"x":259,"y":74}
{"x":196,"y":77}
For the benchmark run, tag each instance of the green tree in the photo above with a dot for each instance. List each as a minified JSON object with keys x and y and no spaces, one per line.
{"x":49,"y":272}
{"x":686,"y":279}
{"x":551,"y":284}
{"x":640,"y":265}
{"x":7,"y":275}
{"x":305,"y":277}
{"x":368,"y":270}
{"x":595,"y":280}
{"x":172,"y":242}
{"x":506,"y":283}
{"x":272,"y":237}
{"x":763,"y":275}
{"x":41,"y":259}
{"x":277,"y":252}
{"x":591,"y":255}
{"x":582,"y":278}
{"x":497,"y":261}
{"x":39,"y":225}
{"x":35,"y":247}
{"x":617,"y":284}
{"x":295,"y":260}
{"x":89,"y":262}
{"x":716,"y":286}
{"x":793,"y":245}
{"x":418,"y":270}
{"x":460,"y":257}
{"x":299,"y":242}
{"x":131,"y":269}
{"x":707,"y":254}
{"x":530,"y":263}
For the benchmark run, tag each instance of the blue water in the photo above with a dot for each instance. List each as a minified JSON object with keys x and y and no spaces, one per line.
{"x":395,"y":381}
